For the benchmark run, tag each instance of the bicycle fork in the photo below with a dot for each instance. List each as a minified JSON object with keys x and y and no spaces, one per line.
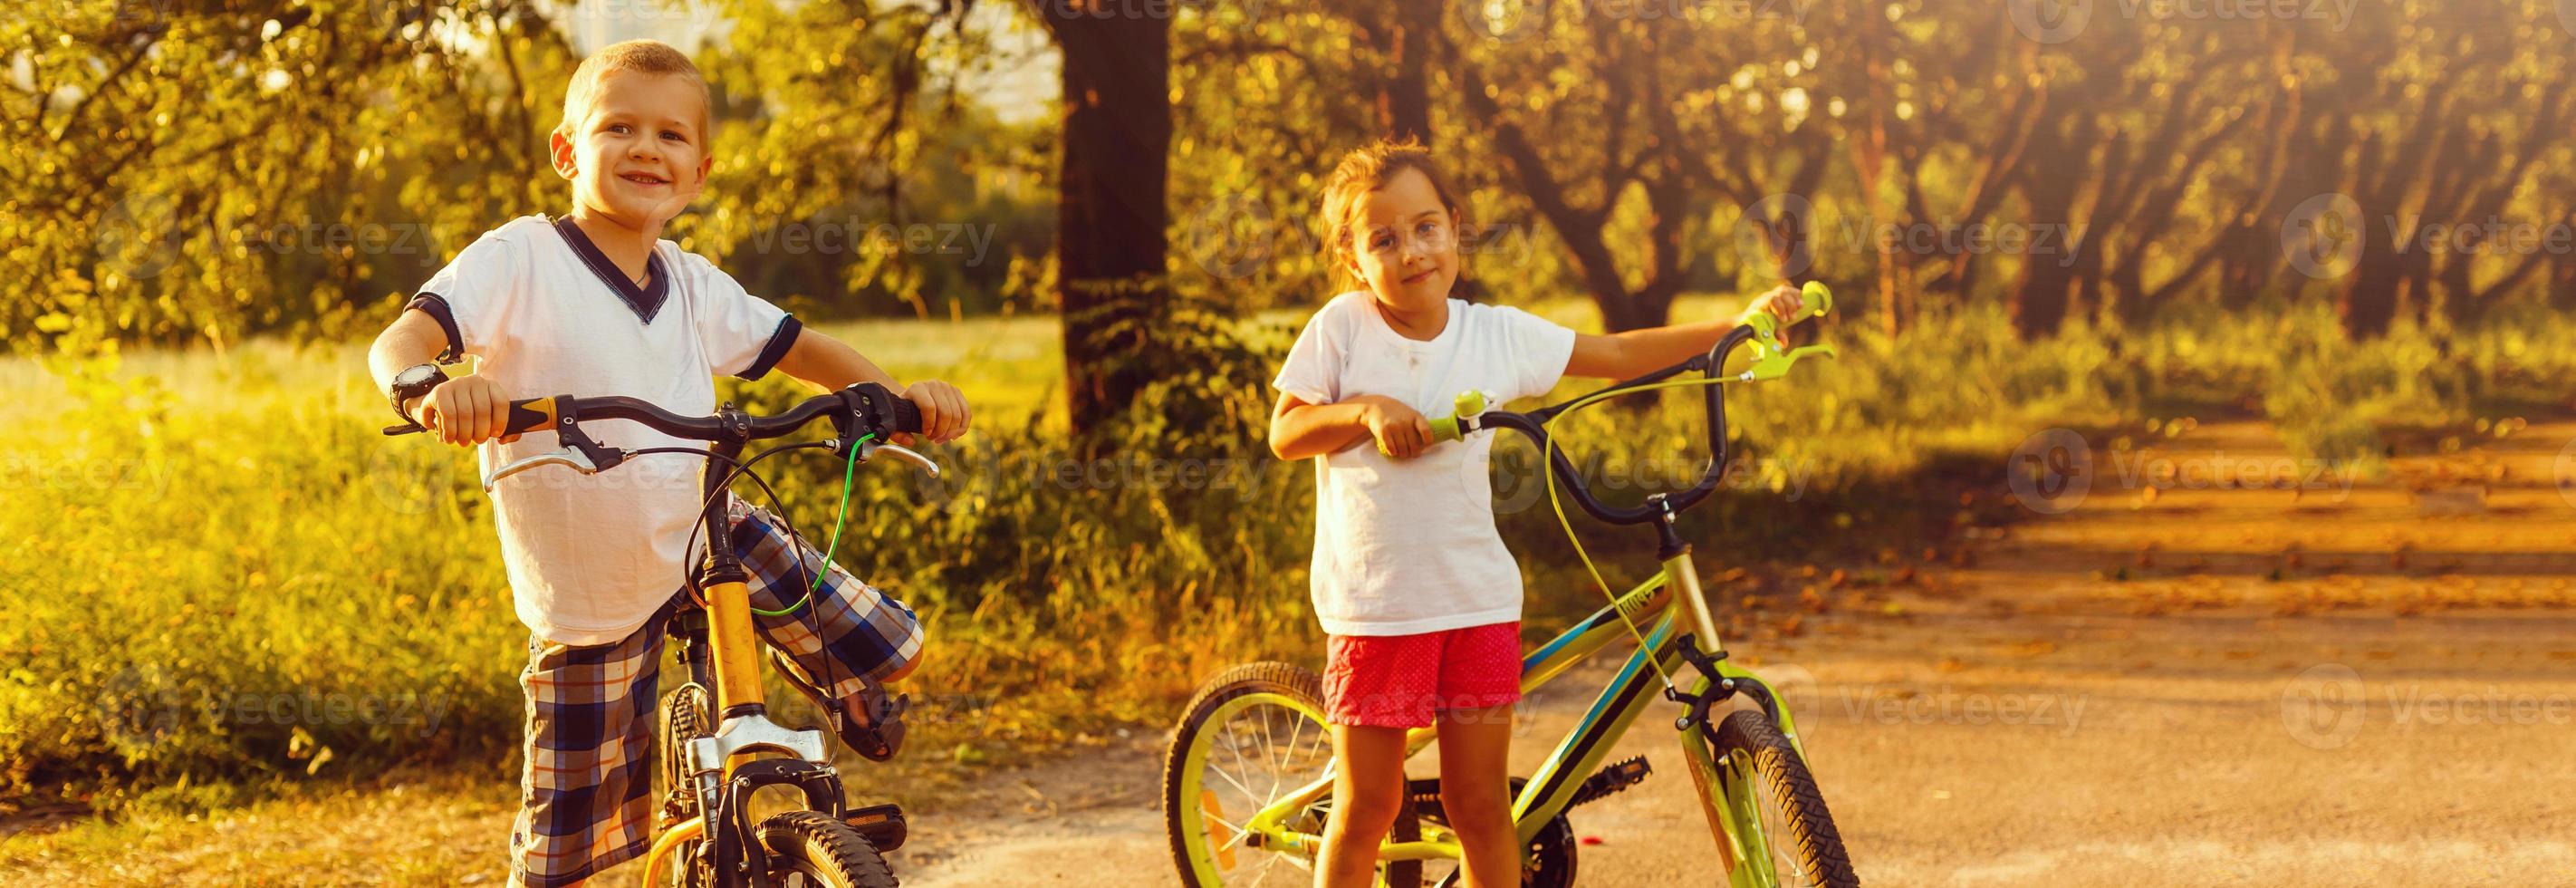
{"x":1744,"y":861}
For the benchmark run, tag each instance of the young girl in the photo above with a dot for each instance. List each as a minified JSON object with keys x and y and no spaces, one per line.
{"x":1410,"y":579}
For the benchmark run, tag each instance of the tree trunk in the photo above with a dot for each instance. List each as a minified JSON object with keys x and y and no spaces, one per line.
{"x":1110,"y":241}
{"x":2369,"y":300}
{"x":2039,"y":302}
{"x":2562,"y":282}
{"x":1403,"y":92}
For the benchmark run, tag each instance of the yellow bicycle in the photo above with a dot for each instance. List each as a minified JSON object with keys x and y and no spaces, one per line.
{"x":718,"y":745}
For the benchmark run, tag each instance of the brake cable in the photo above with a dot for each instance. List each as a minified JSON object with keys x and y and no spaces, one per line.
{"x":1547,"y":458}
{"x":840,"y":516}
{"x":813,"y":620}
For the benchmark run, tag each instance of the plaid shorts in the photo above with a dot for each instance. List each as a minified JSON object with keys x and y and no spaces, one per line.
{"x":586,"y":790}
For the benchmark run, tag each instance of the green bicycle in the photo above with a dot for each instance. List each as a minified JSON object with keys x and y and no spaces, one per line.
{"x":1247,"y":781}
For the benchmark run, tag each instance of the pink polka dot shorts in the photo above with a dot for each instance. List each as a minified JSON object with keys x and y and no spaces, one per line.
{"x":1405,"y":681}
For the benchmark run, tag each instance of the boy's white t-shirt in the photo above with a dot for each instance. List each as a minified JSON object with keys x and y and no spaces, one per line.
{"x":591,"y":558}
{"x":1404,"y":547}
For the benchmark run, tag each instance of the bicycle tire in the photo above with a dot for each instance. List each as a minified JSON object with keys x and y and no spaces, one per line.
{"x":684,"y":718}
{"x":1750,"y":745}
{"x":1183,"y":821}
{"x":808,"y":849}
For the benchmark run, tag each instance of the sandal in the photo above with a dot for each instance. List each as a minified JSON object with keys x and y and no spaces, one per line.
{"x":876,"y":739}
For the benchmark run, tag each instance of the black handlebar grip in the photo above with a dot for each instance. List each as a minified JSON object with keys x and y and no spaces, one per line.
{"x":533,"y":415}
{"x":902,"y":414}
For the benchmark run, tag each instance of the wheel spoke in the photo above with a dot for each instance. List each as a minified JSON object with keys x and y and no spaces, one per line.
{"x":1269,"y":740}
{"x":1238,"y":785}
{"x":1776,"y":818}
{"x":1240,"y":832}
{"x":1249,"y":731}
{"x":1297,"y":728}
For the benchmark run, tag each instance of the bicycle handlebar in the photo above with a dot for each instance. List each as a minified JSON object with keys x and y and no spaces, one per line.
{"x":856,"y":412}
{"x":1771,"y":362}
{"x":864,"y":415}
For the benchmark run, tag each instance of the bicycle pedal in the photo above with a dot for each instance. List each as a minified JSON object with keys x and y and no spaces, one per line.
{"x":1612,"y":780}
{"x":882,"y":825}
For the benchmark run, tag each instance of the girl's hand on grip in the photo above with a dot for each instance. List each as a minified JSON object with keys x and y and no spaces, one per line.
{"x":1401,"y":432}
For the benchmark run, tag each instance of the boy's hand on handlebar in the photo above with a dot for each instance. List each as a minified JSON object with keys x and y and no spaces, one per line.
{"x":1401,"y":432}
{"x":1783,"y":302}
{"x":466,"y":411}
{"x":944,"y":415}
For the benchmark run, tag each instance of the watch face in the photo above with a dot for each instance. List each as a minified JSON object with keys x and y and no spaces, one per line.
{"x":415,"y":376}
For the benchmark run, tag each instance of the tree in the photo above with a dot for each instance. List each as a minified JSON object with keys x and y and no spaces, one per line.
{"x":187,"y":172}
{"x":1110,"y":211}
{"x":1660,"y":119}
{"x":1399,"y":37}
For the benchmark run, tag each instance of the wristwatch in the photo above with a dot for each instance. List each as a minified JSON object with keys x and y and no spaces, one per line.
{"x":412,"y":382}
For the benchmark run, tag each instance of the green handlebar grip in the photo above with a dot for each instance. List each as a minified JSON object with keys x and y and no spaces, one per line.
{"x":1815,"y":299}
{"x":1444,"y":429}
{"x":1468,"y":403}
{"x":1818,"y":299}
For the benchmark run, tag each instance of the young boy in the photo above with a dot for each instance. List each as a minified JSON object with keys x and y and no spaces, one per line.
{"x":594,"y":303}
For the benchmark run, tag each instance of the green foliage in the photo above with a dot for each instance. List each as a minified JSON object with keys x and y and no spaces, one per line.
{"x":197,"y":171}
{"x":223,"y":592}
{"x":2334,"y":398}
{"x":194,"y":172}
{"x":854,"y":176}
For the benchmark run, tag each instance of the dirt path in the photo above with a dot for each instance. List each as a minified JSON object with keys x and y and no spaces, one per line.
{"x":2323,"y":686}
{"x":2128,"y":695}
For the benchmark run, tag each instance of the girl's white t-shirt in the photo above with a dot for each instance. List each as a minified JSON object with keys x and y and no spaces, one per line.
{"x":1404,"y":547}
{"x":590,"y":558}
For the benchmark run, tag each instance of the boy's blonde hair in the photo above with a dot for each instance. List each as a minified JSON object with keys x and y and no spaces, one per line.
{"x":1367,"y":169}
{"x":641,"y":57}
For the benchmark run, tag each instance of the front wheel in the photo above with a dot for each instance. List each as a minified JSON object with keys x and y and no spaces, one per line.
{"x":1252,"y":736}
{"x":1769,"y":818}
{"x":810,"y":850}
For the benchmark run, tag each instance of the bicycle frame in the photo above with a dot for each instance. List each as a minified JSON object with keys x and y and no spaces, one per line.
{"x":726,"y":766}
{"x":1552,"y":789}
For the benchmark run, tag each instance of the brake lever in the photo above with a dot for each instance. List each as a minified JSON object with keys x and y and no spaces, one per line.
{"x":577,"y":460}
{"x":900,"y":453}
{"x":1776,"y":364}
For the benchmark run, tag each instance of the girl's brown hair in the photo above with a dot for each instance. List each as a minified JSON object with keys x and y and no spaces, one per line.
{"x":1367,"y":169}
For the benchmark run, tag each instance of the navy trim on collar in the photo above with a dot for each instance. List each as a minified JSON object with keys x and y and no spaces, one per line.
{"x":645,"y":300}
